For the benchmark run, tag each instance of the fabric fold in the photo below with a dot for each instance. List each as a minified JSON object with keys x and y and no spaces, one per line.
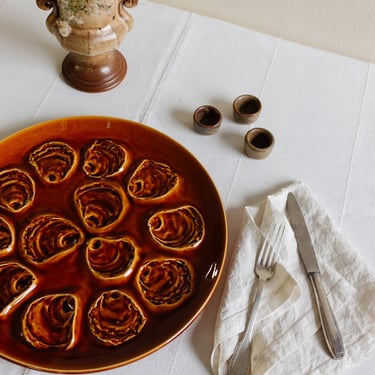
{"x":287,"y":337}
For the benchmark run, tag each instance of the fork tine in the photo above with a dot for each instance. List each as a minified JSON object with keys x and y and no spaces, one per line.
{"x":265,"y":244}
{"x":271,"y":246}
{"x":276,"y":243}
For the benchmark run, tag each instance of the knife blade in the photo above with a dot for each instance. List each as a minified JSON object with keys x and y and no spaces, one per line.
{"x":306,"y":251}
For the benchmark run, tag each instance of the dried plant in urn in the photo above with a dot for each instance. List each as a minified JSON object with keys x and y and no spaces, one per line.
{"x":91,"y":30}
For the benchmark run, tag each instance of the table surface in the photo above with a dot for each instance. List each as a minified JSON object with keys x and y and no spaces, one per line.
{"x":318,"y":105}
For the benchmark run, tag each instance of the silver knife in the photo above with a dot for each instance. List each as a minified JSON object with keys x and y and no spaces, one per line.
{"x":306,"y":251}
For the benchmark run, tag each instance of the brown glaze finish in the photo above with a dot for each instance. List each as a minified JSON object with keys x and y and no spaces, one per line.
{"x":115,"y":318}
{"x":109,"y":257}
{"x":207,"y":120}
{"x":89,"y":278}
{"x":53,"y":161}
{"x":6,"y":236}
{"x":246,"y":109}
{"x":178,"y":228}
{"x":17,"y":190}
{"x":48,"y":236}
{"x":48,"y":322}
{"x":105,"y":158}
{"x":259,"y":143}
{"x":165,"y":283}
{"x":94,"y":73}
{"x":101,"y":205}
{"x":15,"y":282}
{"x":152,"y":180}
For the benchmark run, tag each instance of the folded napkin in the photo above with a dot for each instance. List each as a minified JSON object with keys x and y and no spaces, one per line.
{"x":287,"y":337}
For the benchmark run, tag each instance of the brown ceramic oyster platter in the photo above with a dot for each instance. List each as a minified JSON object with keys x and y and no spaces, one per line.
{"x":112,"y":241}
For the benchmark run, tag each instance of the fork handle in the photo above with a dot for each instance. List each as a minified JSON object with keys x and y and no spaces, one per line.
{"x":330,"y":327}
{"x":240,"y":360}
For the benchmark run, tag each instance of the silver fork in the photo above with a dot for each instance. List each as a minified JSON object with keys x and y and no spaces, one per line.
{"x":240,"y":361}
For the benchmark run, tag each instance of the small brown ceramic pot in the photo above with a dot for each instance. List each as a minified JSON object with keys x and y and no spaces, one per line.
{"x":246,"y":109}
{"x":207,"y":119}
{"x":259,"y":143}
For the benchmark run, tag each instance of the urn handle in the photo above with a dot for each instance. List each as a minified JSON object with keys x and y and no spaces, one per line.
{"x":129,"y":3}
{"x":46,"y":4}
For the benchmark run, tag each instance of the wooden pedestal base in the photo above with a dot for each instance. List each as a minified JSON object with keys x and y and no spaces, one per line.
{"x":94,"y":73}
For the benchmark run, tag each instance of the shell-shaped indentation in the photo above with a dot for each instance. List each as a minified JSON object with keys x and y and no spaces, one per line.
{"x":48,"y":236}
{"x":110,"y":257}
{"x":105,"y":158}
{"x":54,"y":161}
{"x":179,"y":228}
{"x":101,"y":205}
{"x":17,"y":190}
{"x":49,"y":321}
{"x":15,"y":282}
{"x":7,"y":234}
{"x":166,"y":283}
{"x":152,"y":180}
{"x":115,"y":318}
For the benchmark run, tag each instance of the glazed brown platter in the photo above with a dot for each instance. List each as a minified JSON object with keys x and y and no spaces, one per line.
{"x":112,"y":241}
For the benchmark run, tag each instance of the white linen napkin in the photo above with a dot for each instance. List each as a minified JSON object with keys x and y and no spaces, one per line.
{"x":287,"y":338}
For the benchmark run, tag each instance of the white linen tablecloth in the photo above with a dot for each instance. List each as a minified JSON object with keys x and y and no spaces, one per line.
{"x":318,"y":105}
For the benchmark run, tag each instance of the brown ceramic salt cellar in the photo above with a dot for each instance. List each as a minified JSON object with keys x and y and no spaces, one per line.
{"x":246,"y":109}
{"x":207,"y":119}
{"x":258,"y":143}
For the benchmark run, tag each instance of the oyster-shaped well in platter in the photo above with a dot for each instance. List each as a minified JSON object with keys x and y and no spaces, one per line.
{"x":15,"y":282}
{"x":165,"y":283}
{"x":101,"y":205}
{"x":48,"y":236}
{"x":152,"y":180}
{"x":112,"y":240}
{"x":179,"y":228}
{"x":17,"y":190}
{"x":110,"y":257}
{"x":49,"y":321}
{"x":7,"y":234}
{"x":54,"y":161}
{"x":115,"y":318}
{"x":105,"y":158}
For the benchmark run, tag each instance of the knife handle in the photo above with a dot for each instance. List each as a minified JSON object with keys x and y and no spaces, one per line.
{"x":330,"y":327}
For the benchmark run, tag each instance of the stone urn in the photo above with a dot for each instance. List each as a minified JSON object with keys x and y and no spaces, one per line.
{"x":91,"y":30}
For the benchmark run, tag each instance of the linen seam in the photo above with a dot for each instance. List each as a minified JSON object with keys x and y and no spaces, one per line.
{"x":164,"y":73}
{"x":270,"y":66}
{"x":348,"y":179}
{"x":261,"y":94}
{"x":44,"y":99}
{"x":170,"y":372}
